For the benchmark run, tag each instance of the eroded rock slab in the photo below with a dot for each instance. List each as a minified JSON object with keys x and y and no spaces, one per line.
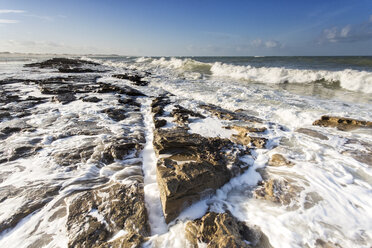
{"x":279,"y":160}
{"x":342,"y":123}
{"x":97,"y":215}
{"x":277,"y":191}
{"x":222,"y":230}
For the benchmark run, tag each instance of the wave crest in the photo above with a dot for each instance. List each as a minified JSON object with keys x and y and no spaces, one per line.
{"x":348,"y":79}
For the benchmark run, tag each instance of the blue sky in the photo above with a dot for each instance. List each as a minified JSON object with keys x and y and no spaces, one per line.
{"x":187,"y":27}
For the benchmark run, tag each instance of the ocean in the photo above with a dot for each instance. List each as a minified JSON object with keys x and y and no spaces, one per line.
{"x":333,"y":168}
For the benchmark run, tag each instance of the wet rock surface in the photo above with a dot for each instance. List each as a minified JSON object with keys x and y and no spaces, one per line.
{"x":223,"y":230}
{"x":79,"y":140}
{"x":278,"y":191}
{"x":61,"y":63}
{"x":95,"y":216}
{"x":135,"y":79}
{"x":279,"y":160}
{"x":342,"y":123}
{"x":54,"y":134}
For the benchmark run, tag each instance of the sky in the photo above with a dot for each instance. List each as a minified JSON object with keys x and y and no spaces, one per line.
{"x":187,"y":28}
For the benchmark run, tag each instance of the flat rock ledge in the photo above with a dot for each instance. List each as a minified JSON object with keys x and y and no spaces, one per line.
{"x":96,"y":216}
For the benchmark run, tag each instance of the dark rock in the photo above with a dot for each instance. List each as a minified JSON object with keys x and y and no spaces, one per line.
{"x":118,"y":149}
{"x":341,"y":123}
{"x":22,"y":151}
{"x":34,"y":199}
{"x":76,"y":70}
{"x":129,"y":101}
{"x":92,"y":99}
{"x":136,"y":79}
{"x":64,"y":98}
{"x":160,"y":123}
{"x":222,"y":230}
{"x":77,"y":127}
{"x":107,"y":88}
{"x":74,"y":156}
{"x":229,"y":115}
{"x":120,"y":207}
{"x":115,"y":114}
{"x":61,"y":63}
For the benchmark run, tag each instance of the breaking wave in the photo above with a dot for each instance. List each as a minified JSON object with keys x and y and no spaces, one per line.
{"x":348,"y":79}
{"x":353,"y":80}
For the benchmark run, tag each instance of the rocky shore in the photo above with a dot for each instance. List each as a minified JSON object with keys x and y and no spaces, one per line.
{"x":86,"y":137}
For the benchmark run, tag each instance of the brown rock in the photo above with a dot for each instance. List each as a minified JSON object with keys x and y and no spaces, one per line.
{"x":196,"y":166}
{"x":115,"y":114}
{"x":223,"y":231}
{"x":312,"y":133}
{"x":341,"y":123}
{"x":119,"y":207}
{"x":229,"y":115}
{"x":278,"y":191}
{"x":182,"y":184}
{"x":279,"y":160}
{"x":160,"y":123}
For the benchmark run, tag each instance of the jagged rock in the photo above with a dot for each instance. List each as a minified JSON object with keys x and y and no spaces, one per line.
{"x":91,"y":99}
{"x":77,"y":127}
{"x":229,"y":115}
{"x":181,"y":115}
{"x":196,"y":166}
{"x":182,"y":184}
{"x":222,"y":230}
{"x":21,"y":151}
{"x":136,"y":79}
{"x":74,"y":156}
{"x":115,"y":114}
{"x":35,"y":197}
{"x":160,"y":123}
{"x":341,"y":123}
{"x":244,"y":139}
{"x":319,"y":243}
{"x":129,"y":101}
{"x":116,"y":150}
{"x":312,"y":133}
{"x":4,"y":114}
{"x":277,"y":191}
{"x":243,"y":136}
{"x":64,"y":98}
{"x":279,"y":160}
{"x":107,"y":88}
{"x":95,"y":216}
{"x":61,"y":63}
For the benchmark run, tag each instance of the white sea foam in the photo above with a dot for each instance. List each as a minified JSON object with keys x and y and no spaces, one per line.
{"x":349,"y":79}
{"x":330,"y":167}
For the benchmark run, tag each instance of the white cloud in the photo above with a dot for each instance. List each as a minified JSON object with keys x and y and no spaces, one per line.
{"x":7,"y":21}
{"x":348,"y":33}
{"x":258,"y":43}
{"x":15,"y":11}
{"x":272,"y":44}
